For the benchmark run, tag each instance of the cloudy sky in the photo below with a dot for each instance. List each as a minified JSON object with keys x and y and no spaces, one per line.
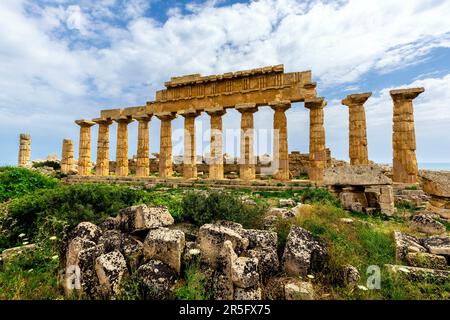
{"x":62,"y":60}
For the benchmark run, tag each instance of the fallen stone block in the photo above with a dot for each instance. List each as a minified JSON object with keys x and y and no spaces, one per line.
{"x":111,"y":269}
{"x":158,"y":279}
{"x":304,"y":253}
{"x":244,"y":272}
{"x":425,"y":223}
{"x":426,"y":260}
{"x":142,"y":218}
{"x":165,"y":245}
{"x":420,"y":274}
{"x":438,"y":244}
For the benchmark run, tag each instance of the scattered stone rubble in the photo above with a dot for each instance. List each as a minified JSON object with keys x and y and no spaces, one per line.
{"x":422,"y":258}
{"x":143,"y":242}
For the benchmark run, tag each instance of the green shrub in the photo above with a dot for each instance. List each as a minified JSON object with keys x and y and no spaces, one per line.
{"x":317,"y":195}
{"x":204,"y":207}
{"x":48,"y":163}
{"x":60,"y":209}
{"x":194,"y":286}
{"x":16,"y":182}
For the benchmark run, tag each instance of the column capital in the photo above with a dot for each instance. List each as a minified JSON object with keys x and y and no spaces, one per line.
{"x":189,"y":113}
{"x":123,"y":119}
{"x":218,"y":111}
{"x":280,"y":105}
{"x":356,"y":99}
{"x":315,"y":103}
{"x":406,"y":94}
{"x":84,"y":123}
{"x":143,"y":117}
{"x":246,"y":107}
{"x":106,"y":121}
{"x":166,"y":115}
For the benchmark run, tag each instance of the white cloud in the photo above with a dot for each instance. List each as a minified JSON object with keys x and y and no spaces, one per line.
{"x":49,"y":73}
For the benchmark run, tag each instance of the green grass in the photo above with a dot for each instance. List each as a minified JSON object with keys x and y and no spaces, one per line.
{"x":194,"y":284}
{"x":32,"y":275}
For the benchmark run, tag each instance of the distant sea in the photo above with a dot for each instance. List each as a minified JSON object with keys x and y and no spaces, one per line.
{"x":434,"y":165}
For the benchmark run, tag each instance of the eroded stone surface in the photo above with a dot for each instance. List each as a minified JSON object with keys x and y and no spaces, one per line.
{"x":158,"y":279}
{"x":357,"y":175}
{"x":244,"y":272}
{"x":211,"y":239}
{"x":404,"y":244}
{"x":439,"y":244}
{"x":141,"y":217}
{"x":166,"y":245}
{"x":426,"y":260}
{"x":111,"y":268}
{"x":425,"y":223}
{"x":303,"y":253}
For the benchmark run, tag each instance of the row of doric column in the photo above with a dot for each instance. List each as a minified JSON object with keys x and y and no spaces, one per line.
{"x":405,"y":167}
{"x":216,"y":171}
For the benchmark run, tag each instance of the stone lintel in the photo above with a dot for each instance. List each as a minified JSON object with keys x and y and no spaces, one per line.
{"x":315,"y":103}
{"x":166,"y":115}
{"x":110,"y":113}
{"x":106,"y":121}
{"x":356,"y":99}
{"x":216,"y":111}
{"x":246,"y":107}
{"x":406,"y":94}
{"x":189,"y":113}
{"x":85,"y":123}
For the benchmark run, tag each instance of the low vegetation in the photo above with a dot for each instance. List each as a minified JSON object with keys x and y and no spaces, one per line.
{"x":38,"y":209}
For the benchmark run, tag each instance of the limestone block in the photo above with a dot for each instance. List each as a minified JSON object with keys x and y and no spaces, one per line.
{"x":425,"y":223}
{"x":439,"y":244}
{"x":158,"y":279}
{"x":252,"y":293}
{"x":111,"y":269}
{"x":165,"y":245}
{"x":141,"y":217}
{"x":211,"y":238}
{"x":426,"y":260}
{"x":303,"y":253}
{"x":244,"y":272}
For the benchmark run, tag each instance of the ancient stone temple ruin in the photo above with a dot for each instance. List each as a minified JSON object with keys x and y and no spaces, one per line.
{"x":246,"y":91}
{"x":360,"y":186}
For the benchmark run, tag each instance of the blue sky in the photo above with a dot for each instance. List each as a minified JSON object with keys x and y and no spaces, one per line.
{"x":62,"y":60}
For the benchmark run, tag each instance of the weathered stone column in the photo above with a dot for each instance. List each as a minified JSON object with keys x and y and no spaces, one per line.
{"x":102,"y":163}
{"x":25,"y":151}
{"x":317,"y":152}
{"x":405,"y":168}
{"x":143,"y":147}
{"x":216,"y":156}
{"x":357,"y":128}
{"x":122,"y":146}
{"x":84,"y":153}
{"x":165,"y":155}
{"x":247,"y":169}
{"x":67,"y":157}
{"x":190,"y":150}
{"x":280,"y":143}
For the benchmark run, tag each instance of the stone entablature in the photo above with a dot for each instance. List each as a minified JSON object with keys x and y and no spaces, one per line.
{"x":195,"y":92}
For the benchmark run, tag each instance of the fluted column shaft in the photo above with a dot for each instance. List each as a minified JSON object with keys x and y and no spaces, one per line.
{"x":216,"y":148}
{"x":25,"y":151}
{"x":247,"y":170}
{"x":84,"y":154}
{"x":143,"y":147}
{"x":357,"y":128}
{"x":67,"y":156}
{"x":405,"y":168}
{"x":165,"y":155}
{"x":102,"y":164}
{"x":190,"y":150}
{"x":122,"y":146}
{"x":280,"y":143}
{"x":317,"y":152}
